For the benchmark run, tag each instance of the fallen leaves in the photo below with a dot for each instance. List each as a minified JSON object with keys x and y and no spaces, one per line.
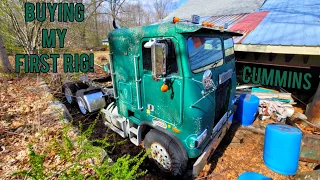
{"x":19,"y":115}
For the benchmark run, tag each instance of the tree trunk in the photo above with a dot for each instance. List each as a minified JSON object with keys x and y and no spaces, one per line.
{"x":97,"y":41}
{"x":5,"y":65}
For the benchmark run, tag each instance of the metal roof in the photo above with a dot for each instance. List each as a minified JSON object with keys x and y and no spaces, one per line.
{"x":247,"y":24}
{"x":277,"y":22}
{"x":289,"y":22}
{"x":215,"y":8}
{"x":229,"y":19}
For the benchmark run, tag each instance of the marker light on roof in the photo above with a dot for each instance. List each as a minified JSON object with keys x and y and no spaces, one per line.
{"x":210,"y":24}
{"x":204,"y":23}
{"x":175,"y":19}
{"x":221,"y":28}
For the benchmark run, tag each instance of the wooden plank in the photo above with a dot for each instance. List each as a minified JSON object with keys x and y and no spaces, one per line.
{"x":308,"y":175}
{"x":268,"y":95}
{"x":303,"y":50}
{"x":310,"y":148}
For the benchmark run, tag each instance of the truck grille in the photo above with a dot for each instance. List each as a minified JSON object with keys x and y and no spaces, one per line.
{"x":222,"y":100}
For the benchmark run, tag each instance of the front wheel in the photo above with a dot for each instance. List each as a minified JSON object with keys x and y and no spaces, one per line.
{"x":166,"y":153}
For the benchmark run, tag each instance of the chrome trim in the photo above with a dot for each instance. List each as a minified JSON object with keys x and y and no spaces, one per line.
{"x":211,"y":147}
{"x":113,"y":76}
{"x":223,"y":77}
{"x":138,"y":80}
{"x":201,"y":137}
{"x":220,"y":124}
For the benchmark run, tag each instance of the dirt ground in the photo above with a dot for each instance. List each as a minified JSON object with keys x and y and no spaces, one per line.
{"x":241,"y":151}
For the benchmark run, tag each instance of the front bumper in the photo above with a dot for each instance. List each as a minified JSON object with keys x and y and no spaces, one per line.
{"x":218,"y":133}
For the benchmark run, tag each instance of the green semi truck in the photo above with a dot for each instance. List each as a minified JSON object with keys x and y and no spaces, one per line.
{"x":173,"y":88}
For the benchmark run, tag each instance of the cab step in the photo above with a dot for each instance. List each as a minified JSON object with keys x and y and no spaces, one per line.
{"x":134,"y":135}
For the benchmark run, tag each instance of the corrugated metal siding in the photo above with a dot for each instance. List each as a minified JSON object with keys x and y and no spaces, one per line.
{"x":289,"y":22}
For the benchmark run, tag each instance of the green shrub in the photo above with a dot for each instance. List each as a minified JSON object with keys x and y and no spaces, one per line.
{"x":81,"y":155}
{"x":36,"y":161}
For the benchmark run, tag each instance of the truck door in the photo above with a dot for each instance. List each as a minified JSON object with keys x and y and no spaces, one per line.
{"x":162,"y":105}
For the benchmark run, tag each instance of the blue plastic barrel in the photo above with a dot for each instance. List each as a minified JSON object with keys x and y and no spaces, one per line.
{"x":246,"y":110}
{"x":282,"y":148}
{"x":252,"y":176}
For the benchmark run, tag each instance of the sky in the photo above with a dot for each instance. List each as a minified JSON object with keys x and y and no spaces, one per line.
{"x":181,"y":2}
{"x":176,"y":3}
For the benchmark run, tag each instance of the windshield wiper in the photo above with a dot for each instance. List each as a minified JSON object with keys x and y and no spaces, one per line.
{"x":214,"y":65}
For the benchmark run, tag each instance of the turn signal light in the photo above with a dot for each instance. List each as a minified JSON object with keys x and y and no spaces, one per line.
{"x":204,"y":23}
{"x":221,"y":28}
{"x":175,"y":19}
{"x":164,"y":88}
{"x":175,"y":130}
{"x":210,"y":24}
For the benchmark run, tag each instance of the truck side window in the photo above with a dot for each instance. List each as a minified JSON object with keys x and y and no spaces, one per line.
{"x":146,"y":57}
{"x":172,"y":66}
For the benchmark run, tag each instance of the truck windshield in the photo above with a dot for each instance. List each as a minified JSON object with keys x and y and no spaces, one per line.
{"x":204,"y":53}
{"x":228,"y":50}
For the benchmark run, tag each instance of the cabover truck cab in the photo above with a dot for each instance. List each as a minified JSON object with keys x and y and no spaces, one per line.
{"x":173,"y":88}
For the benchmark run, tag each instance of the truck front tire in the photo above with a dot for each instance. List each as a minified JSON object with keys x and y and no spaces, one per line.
{"x":165,"y":152}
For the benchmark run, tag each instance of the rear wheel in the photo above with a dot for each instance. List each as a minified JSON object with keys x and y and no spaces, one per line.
{"x":82,"y":106}
{"x":166,"y":153}
{"x":69,"y":91}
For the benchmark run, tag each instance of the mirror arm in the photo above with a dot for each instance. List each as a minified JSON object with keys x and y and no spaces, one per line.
{"x":173,"y":77}
{"x":196,"y":81}
{"x":204,"y":96}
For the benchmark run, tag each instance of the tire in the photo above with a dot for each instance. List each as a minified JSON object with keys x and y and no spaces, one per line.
{"x":69,"y":90}
{"x":164,"y":149}
{"x":82,"y":105}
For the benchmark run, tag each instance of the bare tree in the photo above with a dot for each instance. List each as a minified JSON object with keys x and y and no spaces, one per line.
{"x":5,"y":65}
{"x":134,"y":14}
{"x":27,"y":34}
{"x":114,"y":7}
{"x":161,"y":8}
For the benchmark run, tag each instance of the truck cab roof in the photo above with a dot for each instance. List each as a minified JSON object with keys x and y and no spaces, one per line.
{"x":167,"y":29}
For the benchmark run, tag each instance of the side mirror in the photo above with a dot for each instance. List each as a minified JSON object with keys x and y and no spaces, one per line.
{"x":158,"y":56}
